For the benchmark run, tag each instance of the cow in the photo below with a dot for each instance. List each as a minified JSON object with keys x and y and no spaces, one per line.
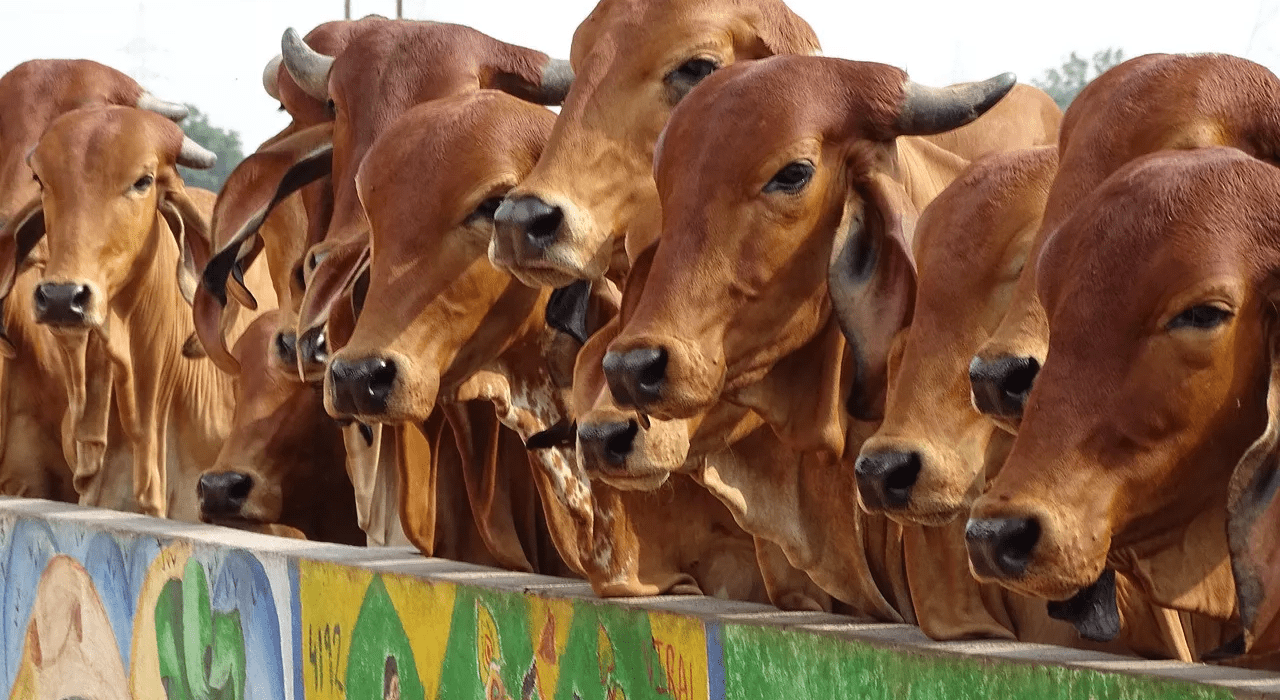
{"x":1147,"y":441}
{"x":36,"y":460}
{"x":634,"y":62}
{"x":467,"y":331}
{"x":748,"y":213}
{"x":1148,"y":103}
{"x":118,"y":223}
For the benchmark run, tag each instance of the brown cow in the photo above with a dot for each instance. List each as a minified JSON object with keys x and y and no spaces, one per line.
{"x":118,"y":223}
{"x":1124,"y":455}
{"x":32,"y":432}
{"x":465,"y":330}
{"x":827,"y":184}
{"x":926,"y":462}
{"x":1149,"y":103}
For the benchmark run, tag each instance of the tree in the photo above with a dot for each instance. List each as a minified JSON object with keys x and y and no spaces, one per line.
{"x":1063,"y":84}
{"x":224,"y":142}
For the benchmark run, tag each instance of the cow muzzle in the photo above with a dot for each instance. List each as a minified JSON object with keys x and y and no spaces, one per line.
{"x":223,"y":494}
{"x":636,"y":377}
{"x":530,"y":220}
{"x":1001,"y":548}
{"x":63,"y":303}
{"x":1000,"y":386}
{"x":361,"y":387}
{"x":885,"y":479}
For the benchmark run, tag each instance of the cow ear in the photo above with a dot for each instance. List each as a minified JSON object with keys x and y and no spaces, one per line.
{"x":252,"y":190}
{"x":334,"y":276}
{"x":872,"y":281}
{"x":191,"y":232}
{"x":530,"y":75}
{"x":1253,"y":519}
{"x":18,"y":238}
{"x":634,"y":284}
{"x":778,"y":30}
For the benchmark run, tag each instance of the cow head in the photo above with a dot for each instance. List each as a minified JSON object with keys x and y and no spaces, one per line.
{"x":925,"y":463}
{"x":282,"y":462}
{"x":634,"y":61}
{"x":412,"y":340}
{"x":805,"y":180}
{"x":1160,"y":293}
{"x":1146,"y":104}
{"x":108,"y":179}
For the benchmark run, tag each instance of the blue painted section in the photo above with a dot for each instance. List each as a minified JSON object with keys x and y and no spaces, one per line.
{"x":105,"y":563}
{"x":242,"y":584}
{"x":715,"y":661}
{"x":32,"y":545}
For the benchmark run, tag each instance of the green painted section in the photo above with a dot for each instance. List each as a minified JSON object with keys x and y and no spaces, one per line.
{"x":201,"y":651}
{"x":770,"y":663}
{"x":380,"y":657}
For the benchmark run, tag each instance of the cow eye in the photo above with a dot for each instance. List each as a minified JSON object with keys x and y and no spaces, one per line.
{"x":487,"y":208}
{"x":286,"y":346}
{"x":1201,"y":316}
{"x":792,"y":178}
{"x":142,"y":183}
{"x":690,"y":73}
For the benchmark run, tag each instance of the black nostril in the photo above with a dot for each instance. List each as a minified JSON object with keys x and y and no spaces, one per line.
{"x":1001,"y":547}
{"x":61,"y":304}
{"x":362,"y":387}
{"x":635,"y":377}
{"x":538,"y":220}
{"x":612,"y":441}
{"x":1001,"y":386}
{"x":312,"y":347}
{"x":382,"y":375}
{"x":885,"y":478}
{"x":541,"y":230}
{"x":223,"y":493}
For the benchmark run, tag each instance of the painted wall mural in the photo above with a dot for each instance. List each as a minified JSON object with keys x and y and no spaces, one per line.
{"x":117,"y":615}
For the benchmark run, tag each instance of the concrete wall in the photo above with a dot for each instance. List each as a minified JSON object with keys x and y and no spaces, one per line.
{"x":107,"y":605}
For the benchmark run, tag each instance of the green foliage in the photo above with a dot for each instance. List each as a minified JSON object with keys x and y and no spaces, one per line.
{"x":224,"y":142}
{"x":1064,"y":83}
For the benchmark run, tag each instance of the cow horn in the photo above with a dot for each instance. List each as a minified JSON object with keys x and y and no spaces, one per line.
{"x":169,"y":110}
{"x":193,"y":155}
{"x":308,"y":68}
{"x":271,"y":77}
{"x":557,"y":78}
{"x":929,"y":110}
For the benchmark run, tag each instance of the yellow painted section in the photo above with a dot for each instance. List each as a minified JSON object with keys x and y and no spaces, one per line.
{"x":549,"y":622}
{"x":144,"y":676}
{"x":426,"y":611}
{"x":681,"y":646}
{"x":331,"y":596}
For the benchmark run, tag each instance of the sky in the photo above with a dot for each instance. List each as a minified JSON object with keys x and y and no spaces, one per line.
{"x":211,"y":53}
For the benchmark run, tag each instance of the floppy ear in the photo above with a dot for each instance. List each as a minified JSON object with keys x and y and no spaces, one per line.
{"x":872,"y":282}
{"x":254,"y":188}
{"x":334,"y":275}
{"x":778,"y":30}
{"x":191,"y":232}
{"x":1253,"y":521}
{"x":17,"y":240}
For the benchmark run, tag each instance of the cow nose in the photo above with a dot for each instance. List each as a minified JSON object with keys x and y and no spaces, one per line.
{"x":635,"y":377}
{"x":609,"y":442}
{"x":1000,"y":386}
{"x":885,"y":478}
{"x":223,"y":493}
{"x":61,"y":304}
{"x":361,"y":387}
{"x":1001,"y":547}
{"x":536,"y":220}
{"x":313,"y":349}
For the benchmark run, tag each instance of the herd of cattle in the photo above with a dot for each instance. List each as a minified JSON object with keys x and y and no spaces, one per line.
{"x":739,"y":320}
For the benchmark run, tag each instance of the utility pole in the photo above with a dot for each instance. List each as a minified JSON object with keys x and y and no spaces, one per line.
{"x":399,"y":9}
{"x":346,"y":9}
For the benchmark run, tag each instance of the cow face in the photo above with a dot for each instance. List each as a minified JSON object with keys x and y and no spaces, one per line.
{"x":761,"y":188}
{"x":633,"y":61}
{"x":925,"y":463}
{"x":412,"y":340}
{"x":282,"y":462}
{"x":1158,"y":299}
{"x":110,"y":193}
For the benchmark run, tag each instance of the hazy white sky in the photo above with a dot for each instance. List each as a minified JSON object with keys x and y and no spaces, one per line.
{"x":211,"y":53}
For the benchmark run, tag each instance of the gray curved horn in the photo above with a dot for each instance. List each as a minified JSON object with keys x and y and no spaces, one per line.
{"x":193,"y":155}
{"x":271,"y":77}
{"x":929,"y":110}
{"x":557,"y":78}
{"x":308,"y":68}
{"x":169,"y":110}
